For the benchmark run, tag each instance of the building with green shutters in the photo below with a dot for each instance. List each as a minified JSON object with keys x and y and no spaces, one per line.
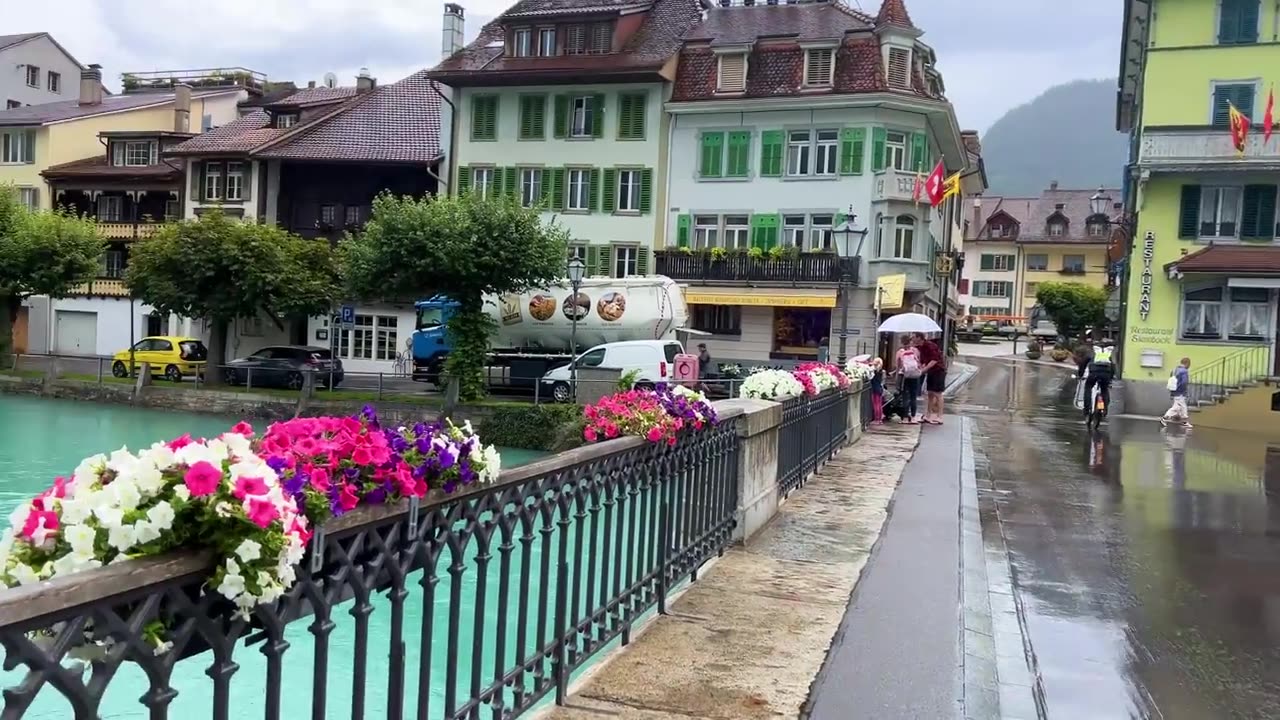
{"x":1204,"y":268}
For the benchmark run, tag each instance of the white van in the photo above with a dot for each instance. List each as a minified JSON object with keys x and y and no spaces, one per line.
{"x":653,"y":359}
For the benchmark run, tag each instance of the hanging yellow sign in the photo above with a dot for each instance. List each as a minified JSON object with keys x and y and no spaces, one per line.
{"x":891,"y":288}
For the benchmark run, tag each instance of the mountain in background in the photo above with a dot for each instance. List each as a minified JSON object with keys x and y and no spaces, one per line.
{"x":1067,"y":134}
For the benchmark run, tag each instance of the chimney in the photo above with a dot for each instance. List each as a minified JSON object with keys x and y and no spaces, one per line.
{"x":181,"y":108}
{"x":364,"y":81}
{"x":311,"y":84}
{"x":91,"y":85}
{"x":452,"y":40}
{"x":972,"y":143}
{"x":1053,"y":184}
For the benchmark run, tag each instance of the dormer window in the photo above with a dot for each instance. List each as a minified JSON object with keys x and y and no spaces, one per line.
{"x":134,"y":153}
{"x":1096,"y":226}
{"x":286,"y":120}
{"x":547,"y":41}
{"x":522,"y":42}
{"x":819,"y":65}
{"x":588,"y":39}
{"x":999,"y":230}
{"x":899,"y":68}
{"x":1057,"y":228}
{"x":733,"y":73}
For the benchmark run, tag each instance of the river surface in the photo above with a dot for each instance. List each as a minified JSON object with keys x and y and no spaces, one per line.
{"x":43,"y":438}
{"x":1147,"y":559}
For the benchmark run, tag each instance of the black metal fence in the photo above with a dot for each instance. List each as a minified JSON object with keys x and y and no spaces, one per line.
{"x":474,"y":606}
{"x":802,"y":267}
{"x":813,"y":428}
{"x":1215,"y":381}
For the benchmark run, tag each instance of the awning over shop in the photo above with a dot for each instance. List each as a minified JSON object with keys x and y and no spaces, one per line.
{"x":1238,"y":260}
{"x":773,"y":297}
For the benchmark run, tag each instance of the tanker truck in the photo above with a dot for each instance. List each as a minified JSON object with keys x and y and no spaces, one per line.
{"x":535,"y":329}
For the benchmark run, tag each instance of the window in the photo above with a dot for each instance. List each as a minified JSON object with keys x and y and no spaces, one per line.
{"x":172,"y":209}
{"x":1225,"y":94}
{"x":820,"y":228}
{"x":717,"y":319}
{"x":998,"y":230}
{"x":547,"y":42}
{"x":55,"y":82}
{"x":737,"y":231}
{"x":579,"y":190}
{"x":1258,"y":212}
{"x":29,"y":197}
{"x":793,"y":227}
{"x":206,"y":122}
{"x":1073,"y":264}
{"x":591,"y":359}
{"x":33,"y":76}
{"x":139,"y":153}
{"x":1237,"y":22}
{"x":1057,"y":228}
{"x":484,"y":117}
{"x":1250,"y":313}
{"x":482,"y":182}
{"x":328,"y":214}
{"x":1097,"y":229}
{"x":711,"y":159}
{"x":594,"y":39}
{"x":374,"y":337}
{"x":575,"y":39}
{"x":706,"y":230}
{"x":992,"y":288}
{"x":1247,"y":311}
{"x":827,"y":151}
{"x":895,"y":150}
{"x":113,"y":263}
{"x":798,"y":152}
{"x":904,"y":237}
{"x":235,"y":181}
{"x":1038,"y":262}
{"x":738,"y":158}
{"x":579,"y":252}
{"x":212,"y":181}
{"x":1219,"y":211}
{"x":997,"y":262}
{"x":354,"y":215}
{"x":533,"y":117}
{"x":625,"y":260}
{"x":286,"y":120}
{"x":629,"y":191}
{"x":732,"y":76}
{"x":601,"y":38}
{"x":530,"y":186}
{"x":1030,"y":290}
{"x":17,"y":146}
{"x":1202,"y":314}
{"x":583,"y":117}
{"x":522,"y":42}
{"x":899,"y":69}
{"x":631,"y":115}
{"x":110,"y":208}
{"x":11,"y":104}
{"x":818,"y":67}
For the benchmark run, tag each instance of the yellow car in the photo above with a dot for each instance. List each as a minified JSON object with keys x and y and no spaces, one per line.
{"x":170,"y":356}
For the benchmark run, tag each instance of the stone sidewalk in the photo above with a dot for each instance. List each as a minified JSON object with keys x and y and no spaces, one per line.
{"x":748,"y":638}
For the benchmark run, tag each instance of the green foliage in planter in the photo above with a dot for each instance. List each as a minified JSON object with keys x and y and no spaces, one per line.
{"x":628,"y":380}
{"x":755,"y":253}
{"x":719,"y":253}
{"x":546,"y":428}
{"x":1060,"y":354}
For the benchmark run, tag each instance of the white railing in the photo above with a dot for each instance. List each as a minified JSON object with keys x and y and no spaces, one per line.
{"x":1195,"y":146}
{"x":896,"y":185}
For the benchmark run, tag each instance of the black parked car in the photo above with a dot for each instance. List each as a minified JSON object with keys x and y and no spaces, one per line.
{"x":285,"y":366}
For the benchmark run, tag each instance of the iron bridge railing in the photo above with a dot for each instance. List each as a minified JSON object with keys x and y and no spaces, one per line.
{"x":472,"y":606}
{"x":812,"y":430}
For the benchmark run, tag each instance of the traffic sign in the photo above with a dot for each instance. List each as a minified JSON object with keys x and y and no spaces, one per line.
{"x":347,"y":317}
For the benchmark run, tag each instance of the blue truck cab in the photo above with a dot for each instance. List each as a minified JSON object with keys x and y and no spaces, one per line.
{"x":430,"y":341}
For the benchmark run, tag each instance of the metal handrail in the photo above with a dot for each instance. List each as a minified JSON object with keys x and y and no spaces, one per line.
{"x":1217,"y":379}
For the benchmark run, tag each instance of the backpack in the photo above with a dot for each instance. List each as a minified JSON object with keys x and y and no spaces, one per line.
{"x":911,"y":365}
{"x":1172,"y":385}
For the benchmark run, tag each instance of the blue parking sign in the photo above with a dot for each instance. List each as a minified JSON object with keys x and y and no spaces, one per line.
{"x":348,"y":316}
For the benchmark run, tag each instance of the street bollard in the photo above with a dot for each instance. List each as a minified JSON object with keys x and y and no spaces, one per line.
{"x":379,"y":387}
{"x":248,"y":379}
{"x":99,"y":371}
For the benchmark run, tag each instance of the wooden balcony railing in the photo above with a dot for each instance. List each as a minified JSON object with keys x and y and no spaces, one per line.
{"x":108,"y":287}
{"x":740,"y":267}
{"x":127,"y":231}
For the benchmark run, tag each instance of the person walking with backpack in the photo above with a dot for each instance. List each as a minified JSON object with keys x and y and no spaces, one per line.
{"x":907,"y":364}
{"x":1178,"y":392}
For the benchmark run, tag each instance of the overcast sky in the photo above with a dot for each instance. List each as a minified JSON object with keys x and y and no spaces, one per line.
{"x":994,"y":54}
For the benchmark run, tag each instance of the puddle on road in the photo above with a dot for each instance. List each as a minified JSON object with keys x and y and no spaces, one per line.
{"x":1147,"y":559}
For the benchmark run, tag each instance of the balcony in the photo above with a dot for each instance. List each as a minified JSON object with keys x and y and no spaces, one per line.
{"x":801,"y":269}
{"x":205,"y":78}
{"x":127,"y":231}
{"x":1174,"y":149}
{"x":102,"y":287}
{"x":895,"y":185}
{"x":919,"y":272}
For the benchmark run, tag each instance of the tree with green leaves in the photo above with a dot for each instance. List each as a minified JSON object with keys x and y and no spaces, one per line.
{"x":463,"y":246}
{"x":41,"y":253}
{"x":1073,"y":307}
{"x":217,"y":269}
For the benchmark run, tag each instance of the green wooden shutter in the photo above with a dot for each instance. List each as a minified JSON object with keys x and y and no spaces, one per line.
{"x":853,"y":143}
{"x":1240,"y":94}
{"x":764,"y":231}
{"x":510,"y":181}
{"x":631,"y":115}
{"x":1189,"y":213}
{"x":464,"y":180}
{"x":562,"y":116}
{"x":624,"y":117}
{"x":919,"y":151}
{"x":593,"y":190}
{"x":711,"y":161}
{"x":197,"y":181}
{"x":548,"y":188}
{"x":533,"y":117}
{"x":604,"y":261}
{"x":771,"y":153}
{"x":739,"y":153}
{"x":1238,"y":22}
{"x":597,"y":116}
{"x":484,"y":117}
{"x":987,"y":262}
{"x":642,"y":261}
{"x":557,"y":188}
{"x":683,"y":230}
{"x":878,"y":140}
{"x":593,"y":260}
{"x":1258,"y":217}
{"x":30,"y":140}
{"x":609,"y":190}
{"x":646,"y":190}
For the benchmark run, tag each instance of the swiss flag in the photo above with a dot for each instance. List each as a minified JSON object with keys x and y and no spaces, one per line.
{"x":934,"y":184}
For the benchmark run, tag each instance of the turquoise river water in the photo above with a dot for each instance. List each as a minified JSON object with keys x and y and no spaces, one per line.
{"x":43,"y":438}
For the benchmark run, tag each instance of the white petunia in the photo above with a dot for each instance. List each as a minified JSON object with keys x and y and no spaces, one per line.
{"x":232,"y":586}
{"x":249,"y":551}
{"x":148,"y":479}
{"x":23,"y":574}
{"x":237,"y":445}
{"x":108,"y":517}
{"x":124,"y":494}
{"x":74,"y":511}
{"x":162,"y":648}
{"x":145,"y":531}
{"x":122,"y":537}
{"x":223,"y":509}
{"x":466,"y":425}
{"x":161,"y":515}
{"x":81,"y":538}
{"x":18,"y":517}
{"x":181,"y":492}
{"x":160,"y":455}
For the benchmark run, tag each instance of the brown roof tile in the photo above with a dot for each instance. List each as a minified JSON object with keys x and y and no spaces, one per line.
{"x":1032,"y":215}
{"x":544,"y":8}
{"x":1238,"y":259}
{"x":97,"y":167}
{"x":807,"y":22}
{"x":72,"y":109}
{"x":238,"y":136}
{"x":317,"y":95}
{"x":894,"y":12}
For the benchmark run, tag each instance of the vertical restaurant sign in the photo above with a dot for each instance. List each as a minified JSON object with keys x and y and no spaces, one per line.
{"x":1148,"y":254}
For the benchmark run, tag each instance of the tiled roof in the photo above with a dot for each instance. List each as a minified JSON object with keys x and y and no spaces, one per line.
{"x":894,"y":12}
{"x":743,"y":25}
{"x":657,"y":39}
{"x":399,"y":122}
{"x":1241,"y":259}
{"x":316,"y":95}
{"x":1032,"y":215}
{"x":7,"y":40}
{"x":97,"y":167}
{"x":72,"y":109}
{"x":238,"y":136}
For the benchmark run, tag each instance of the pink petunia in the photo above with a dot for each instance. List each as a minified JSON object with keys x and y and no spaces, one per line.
{"x":202,"y":478}
{"x":261,"y":512}
{"x":320,"y":479}
{"x":180,"y":442}
{"x":590,"y":434}
{"x":362,"y":456}
{"x":654,"y":434}
{"x":39,"y":524}
{"x":348,"y":498}
{"x":242,"y":428}
{"x":297,"y":530}
{"x":246,"y":486}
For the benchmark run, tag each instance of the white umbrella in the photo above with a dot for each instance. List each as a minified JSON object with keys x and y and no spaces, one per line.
{"x":909,"y":323}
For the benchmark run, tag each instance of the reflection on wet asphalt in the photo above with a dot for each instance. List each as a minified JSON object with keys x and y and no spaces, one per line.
{"x":1147,"y":559}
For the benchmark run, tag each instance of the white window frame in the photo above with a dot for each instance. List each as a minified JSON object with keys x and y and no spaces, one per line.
{"x":822,"y":231}
{"x":997,"y":260}
{"x":15,"y":149}
{"x":1083,"y":266}
{"x":1096,"y":229}
{"x":736,"y":236}
{"x":1057,"y":228}
{"x":578,"y":251}
{"x":285,"y":121}
{"x":990,"y":286}
{"x":578,"y":185}
{"x":626,"y":260}
{"x":522,"y":42}
{"x":482,"y":181}
{"x":826,"y":152}
{"x":235,"y":181}
{"x":113,"y":263}
{"x":543,"y":49}
{"x":54,"y":82}
{"x":110,"y":208}
{"x":1202,"y":308}
{"x":1257,"y":316}
{"x":741,"y":86}
{"x":530,"y":186}
{"x":904,"y":238}
{"x":582,"y":116}
{"x":823,"y":79}
{"x":799,"y":153}
{"x":706,"y":231}
{"x":374,"y":337}
{"x":33,"y":76}
{"x":29,"y":197}
{"x":1224,"y":202}
{"x":137,"y":153}
{"x":628,"y":191}
{"x":896,"y":152}
{"x":794,"y":233}
{"x":1044,"y":266}
{"x":213,"y":181}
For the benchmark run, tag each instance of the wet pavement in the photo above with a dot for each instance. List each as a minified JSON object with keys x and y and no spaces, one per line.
{"x":1146,"y":560}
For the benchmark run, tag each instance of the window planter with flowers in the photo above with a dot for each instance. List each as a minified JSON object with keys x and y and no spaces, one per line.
{"x":657,"y":415}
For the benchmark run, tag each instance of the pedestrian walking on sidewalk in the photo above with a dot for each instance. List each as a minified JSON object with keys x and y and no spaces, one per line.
{"x":1178,"y":383}
{"x":877,"y":391}
{"x":906,"y":363}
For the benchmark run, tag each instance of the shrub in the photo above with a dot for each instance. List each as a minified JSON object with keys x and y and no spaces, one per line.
{"x":545,"y":428}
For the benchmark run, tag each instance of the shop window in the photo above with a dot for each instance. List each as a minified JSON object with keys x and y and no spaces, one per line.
{"x":718,"y":319}
{"x":799,"y":332}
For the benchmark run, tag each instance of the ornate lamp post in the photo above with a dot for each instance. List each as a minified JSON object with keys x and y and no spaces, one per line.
{"x":847,"y":230}
{"x":1100,"y":207}
{"x":577,"y":269}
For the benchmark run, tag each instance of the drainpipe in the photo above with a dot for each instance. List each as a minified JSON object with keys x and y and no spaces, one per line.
{"x":452,"y":160}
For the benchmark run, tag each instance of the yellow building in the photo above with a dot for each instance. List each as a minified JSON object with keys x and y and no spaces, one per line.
{"x":1013,"y":245}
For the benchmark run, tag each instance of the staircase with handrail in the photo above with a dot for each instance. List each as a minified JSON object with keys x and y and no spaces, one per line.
{"x":1229,"y":375}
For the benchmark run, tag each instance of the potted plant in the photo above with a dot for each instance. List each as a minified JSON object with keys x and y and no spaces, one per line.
{"x":1033,"y":351}
{"x":1060,"y":354}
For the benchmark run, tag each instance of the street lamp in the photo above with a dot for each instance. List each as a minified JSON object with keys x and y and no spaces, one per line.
{"x":846,"y":230}
{"x":577,"y":269}
{"x":1100,"y":205}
